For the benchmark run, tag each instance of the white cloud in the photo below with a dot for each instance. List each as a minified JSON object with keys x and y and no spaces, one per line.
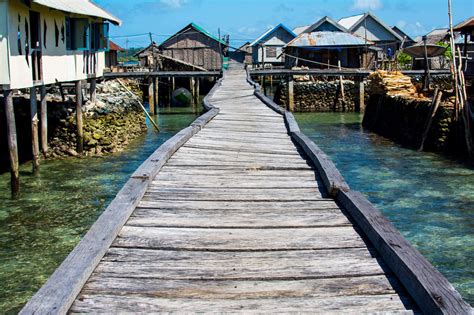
{"x":401,"y":24}
{"x":367,"y":4}
{"x":174,"y":4}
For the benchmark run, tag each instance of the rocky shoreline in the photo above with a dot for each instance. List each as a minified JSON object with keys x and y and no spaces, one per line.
{"x":110,"y":124}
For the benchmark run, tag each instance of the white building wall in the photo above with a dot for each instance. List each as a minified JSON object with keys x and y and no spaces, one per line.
{"x":58,"y":64}
{"x":4,"y":66}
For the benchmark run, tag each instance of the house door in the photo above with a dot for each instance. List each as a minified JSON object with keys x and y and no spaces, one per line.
{"x":35,"y":44}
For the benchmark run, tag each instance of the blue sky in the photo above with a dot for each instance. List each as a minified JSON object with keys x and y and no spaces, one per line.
{"x":245,"y":20}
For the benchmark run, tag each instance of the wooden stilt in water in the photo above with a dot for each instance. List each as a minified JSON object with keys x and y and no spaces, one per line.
{"x":192,"y":88}
{"x":341,"y":88}
{"x":151,"y":97}
{"x":360,"y":105}
{"x":12,"y":142}
{"x":196,"y":90}
{"x":264,"y":85}
{"x":290,"y":93}
{"x":34,"y":129}
{"x":80,"y":134}
{"x":93,"y":90}
{"x":156,"y":93}
{"x":173,"y":85}
{"x":434,"y":107}
{"x":44,"y":121}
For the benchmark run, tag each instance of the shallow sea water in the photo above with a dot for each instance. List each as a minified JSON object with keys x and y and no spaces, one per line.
{"x":429,"y":198}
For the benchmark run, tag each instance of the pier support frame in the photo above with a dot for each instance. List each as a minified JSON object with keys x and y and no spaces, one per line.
{"x":44,"y":121}
{"x":12,"y":142}
{"x":34,"y":129}
{"x":192,"y":88}
{"x":290,"y":93}
{"x":80,"y":132}
{"x":196,"y":90}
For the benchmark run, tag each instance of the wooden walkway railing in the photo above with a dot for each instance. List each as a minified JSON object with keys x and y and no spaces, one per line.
{"x":229,"y":215}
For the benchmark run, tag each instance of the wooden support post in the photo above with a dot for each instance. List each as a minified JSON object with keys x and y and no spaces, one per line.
{"x":80,"y":134}
{"x":173,"y":85}
{"x":360,"y":105}
{"x":271,"y":83}
{"x":290,"y":93}
{"x":151,"y":98}
{"x":44,"y":121}
{"x":426,"y":80}
{"x":93,"y":90}
{"x":155,"y":94}
{"x":34,"y":129}
{"x":192,"y":89}
{"x":341,"y":83}
{"x":12,"y":142}
{"x":264,"y":86}
{"x":196,"y":90}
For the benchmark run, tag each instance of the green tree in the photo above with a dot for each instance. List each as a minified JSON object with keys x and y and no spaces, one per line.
{"x":404,"y":60}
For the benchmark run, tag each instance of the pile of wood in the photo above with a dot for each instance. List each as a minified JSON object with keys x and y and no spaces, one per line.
{"x":391,"y":83}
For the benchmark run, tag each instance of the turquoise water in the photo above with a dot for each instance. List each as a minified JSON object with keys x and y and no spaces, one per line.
{"x":59,"y":205}
{"x":430,"y":199}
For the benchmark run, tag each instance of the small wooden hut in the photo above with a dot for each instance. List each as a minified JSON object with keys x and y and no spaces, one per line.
{"x":196,"y":46}
{"x":111,"y":56}
{"x":267,"y":48}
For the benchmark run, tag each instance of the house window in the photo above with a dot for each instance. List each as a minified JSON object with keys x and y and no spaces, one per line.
{"x":77,"y":34}
{"x":271,"y":52}
{"x":99,"y":36}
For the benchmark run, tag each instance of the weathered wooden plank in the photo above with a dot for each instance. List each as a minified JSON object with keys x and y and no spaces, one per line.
{"x":243,"y":289}
{"x":429,"y":288}
{"x":238,"y":205}
{"x":291,"y":123}
{"x":241,"y":149}
{"x":238,"y":239}
{"x":225,"y":182}
{"x":236,"y":218}
{"x":351,"y":304}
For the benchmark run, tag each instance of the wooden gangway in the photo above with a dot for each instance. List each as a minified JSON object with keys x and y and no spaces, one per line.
{"x":242,"y":212}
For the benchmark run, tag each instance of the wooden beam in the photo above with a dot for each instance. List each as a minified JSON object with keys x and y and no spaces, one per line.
{"x":34,"y":129}
{"x":80,"y":132}
{"x":434,"y":107}
{"x":12,"y":142}
{"x":360,"y":103}
{"x":44,"y":121}
{"x":426,"y":285}
{"x":196,"y":89}
{"x":156,"y":96}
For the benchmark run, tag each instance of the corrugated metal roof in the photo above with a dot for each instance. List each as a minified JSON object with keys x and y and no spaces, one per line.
{"x":261,"y":37}
{"x":465,"y":25}
{"x":114,"y":46}
{"x":327,"y":39}
{"x":83,"y":7}
{"x":349,"y":21}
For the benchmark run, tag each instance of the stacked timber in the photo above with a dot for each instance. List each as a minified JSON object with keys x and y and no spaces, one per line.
{"x":301,"y":78}
{"x":391,"y":83}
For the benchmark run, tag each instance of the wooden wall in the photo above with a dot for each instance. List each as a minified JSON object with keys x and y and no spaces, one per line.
{"x":194,"y":47}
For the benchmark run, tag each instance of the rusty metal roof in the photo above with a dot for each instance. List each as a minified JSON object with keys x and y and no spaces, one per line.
{"x":327,"y":39}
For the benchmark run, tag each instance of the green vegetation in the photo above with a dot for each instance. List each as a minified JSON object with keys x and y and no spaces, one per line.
{"x":404,"y":60}
{"x":128,"y":55}
{"x":447,"y":53}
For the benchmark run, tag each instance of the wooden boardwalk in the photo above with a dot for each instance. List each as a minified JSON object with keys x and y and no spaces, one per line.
{"x":237,"y":219}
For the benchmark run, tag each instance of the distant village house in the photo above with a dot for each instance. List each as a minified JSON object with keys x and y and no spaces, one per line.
{"x":111,"y":55}
{"x":192,"y":47}
{"x":267,"y":48}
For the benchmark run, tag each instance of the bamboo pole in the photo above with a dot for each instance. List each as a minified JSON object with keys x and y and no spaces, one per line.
{"x":151,"y":96}
{"x":44,"y":121}
{"x":12,"y":143}
{"x":341,"y":83}
{"x":141,"y":105}
{"x":34,"y":129}
{"x":453,"y":63}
